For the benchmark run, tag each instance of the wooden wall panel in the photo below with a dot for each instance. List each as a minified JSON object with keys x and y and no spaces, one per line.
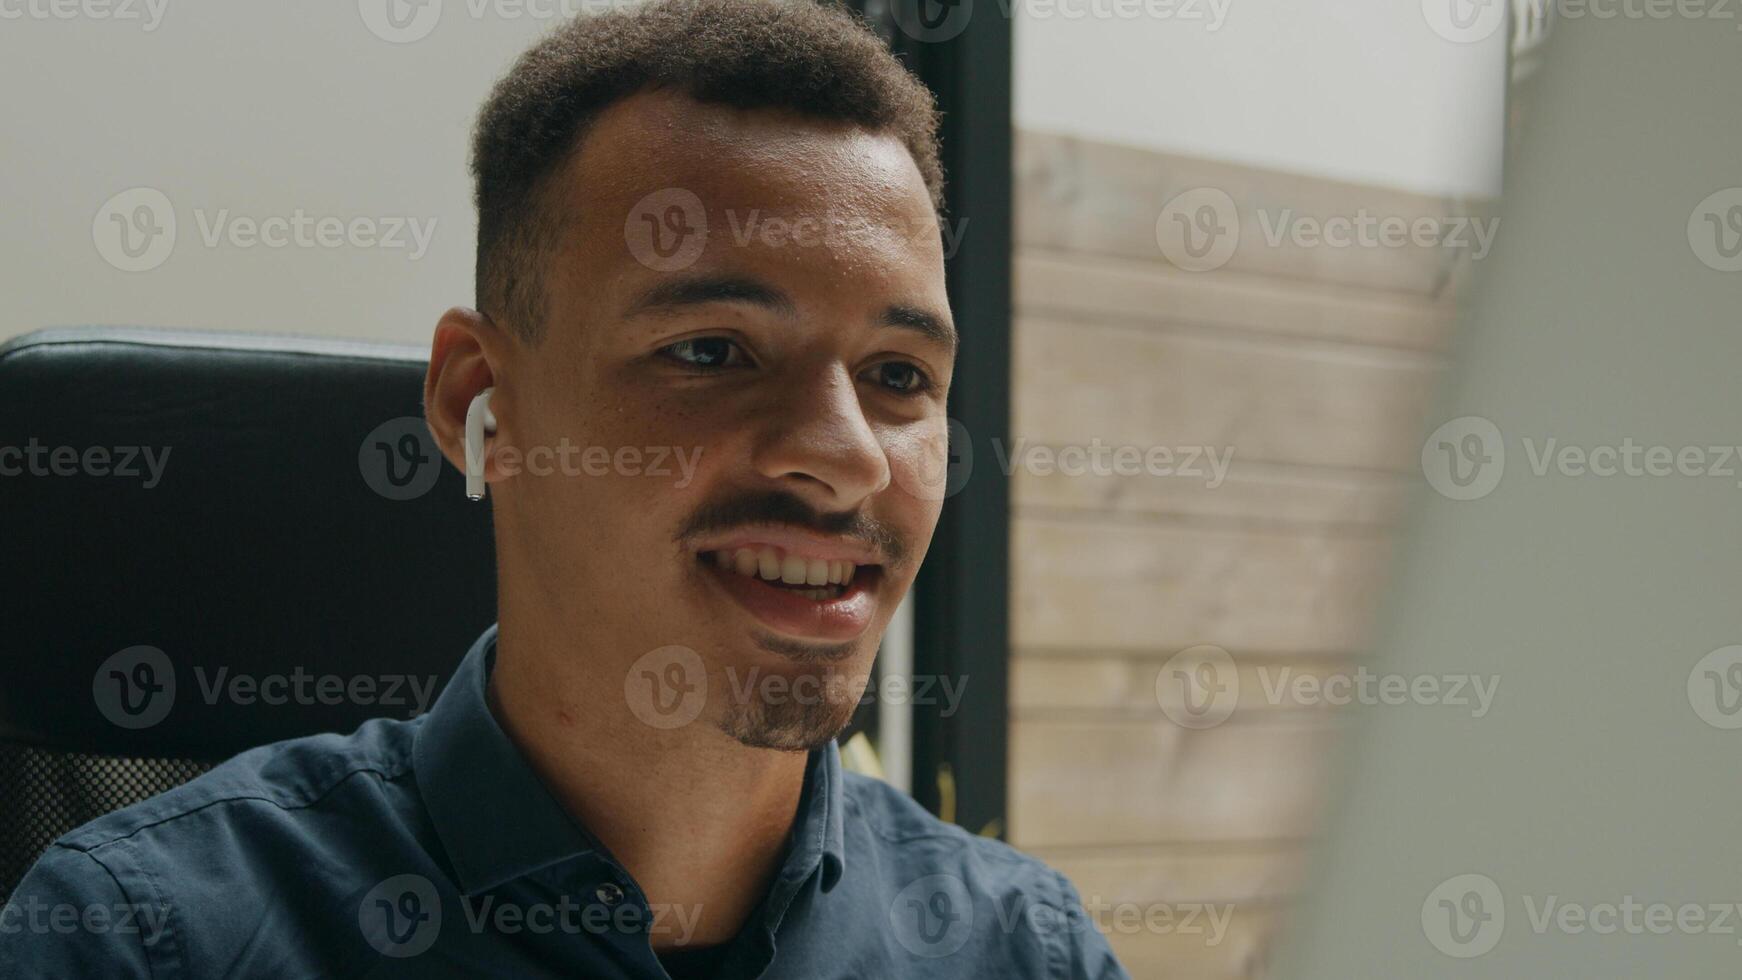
{"x":1100,"y":585}
{"x":1308,"y":370}
{"x":1119,"y":783}
{"x":1092,"y":198}
{"x":1305,"y":405}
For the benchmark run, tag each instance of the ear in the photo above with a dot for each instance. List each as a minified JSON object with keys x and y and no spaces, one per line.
{"x":468,"y":354}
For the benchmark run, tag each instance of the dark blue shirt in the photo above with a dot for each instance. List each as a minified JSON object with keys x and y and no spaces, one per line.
{"x":428,"y":848}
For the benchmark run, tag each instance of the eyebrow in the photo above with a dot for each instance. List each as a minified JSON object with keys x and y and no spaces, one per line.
{"x":934,"y":327}
{"x":673,"y":295}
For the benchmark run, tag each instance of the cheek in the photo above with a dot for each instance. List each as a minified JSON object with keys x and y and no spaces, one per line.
{"x":921,"y":468}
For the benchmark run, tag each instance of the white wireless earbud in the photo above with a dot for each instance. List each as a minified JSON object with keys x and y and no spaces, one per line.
{"x":479,"y":424}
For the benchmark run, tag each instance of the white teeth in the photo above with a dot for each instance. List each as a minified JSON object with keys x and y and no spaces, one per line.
{"x":771,"y":565}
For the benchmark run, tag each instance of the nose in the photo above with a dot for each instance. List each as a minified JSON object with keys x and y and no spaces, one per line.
{"x":820,"y":446}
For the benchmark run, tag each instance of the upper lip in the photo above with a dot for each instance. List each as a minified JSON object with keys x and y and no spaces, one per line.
{"x":796,"y":541}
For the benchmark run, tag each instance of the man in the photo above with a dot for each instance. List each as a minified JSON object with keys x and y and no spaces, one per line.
{"x":708,"y":234}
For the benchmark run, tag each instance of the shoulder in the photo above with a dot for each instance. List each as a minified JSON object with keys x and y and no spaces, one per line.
{"x":210,"y":849}
{"x":282,"y":778}
{"x":253,"y":820}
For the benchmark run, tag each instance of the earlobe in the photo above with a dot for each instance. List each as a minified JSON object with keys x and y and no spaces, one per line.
{"x":480,"y":424}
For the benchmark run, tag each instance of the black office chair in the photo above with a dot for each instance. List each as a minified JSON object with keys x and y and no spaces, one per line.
{"x":183,"y":508}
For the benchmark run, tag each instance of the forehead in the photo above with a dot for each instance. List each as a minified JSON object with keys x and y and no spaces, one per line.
{"x":662,"y":182}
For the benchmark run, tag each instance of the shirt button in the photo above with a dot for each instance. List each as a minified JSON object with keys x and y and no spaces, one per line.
{"x":609,"y":893}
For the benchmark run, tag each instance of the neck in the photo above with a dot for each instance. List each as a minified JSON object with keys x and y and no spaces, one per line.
{"x":700,"y":821}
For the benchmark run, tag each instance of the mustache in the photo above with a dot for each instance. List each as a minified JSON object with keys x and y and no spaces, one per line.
{"x":776,"y":507}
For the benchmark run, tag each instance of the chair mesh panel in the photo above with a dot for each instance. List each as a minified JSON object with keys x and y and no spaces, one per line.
{"x":49,"y":793}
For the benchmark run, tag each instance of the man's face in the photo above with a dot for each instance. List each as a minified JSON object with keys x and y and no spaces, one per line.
{"x":747,"y":312}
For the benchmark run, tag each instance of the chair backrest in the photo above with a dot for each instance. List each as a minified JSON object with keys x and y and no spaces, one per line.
{"x":217,"y":541}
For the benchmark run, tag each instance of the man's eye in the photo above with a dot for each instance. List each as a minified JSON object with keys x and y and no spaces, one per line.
{"x":704,"y":352}
{"x":901,"y":376}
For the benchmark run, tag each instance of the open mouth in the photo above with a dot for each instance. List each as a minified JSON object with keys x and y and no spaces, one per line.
{"x":818,"y":579}
{"x":795,"y":594}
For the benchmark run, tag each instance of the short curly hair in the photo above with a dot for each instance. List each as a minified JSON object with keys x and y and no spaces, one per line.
{"x":816,"y":58}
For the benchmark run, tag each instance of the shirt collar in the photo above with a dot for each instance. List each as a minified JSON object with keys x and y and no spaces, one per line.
{"x":499,"y":822}
{"x":494,"y":815}
{"x":819,"y":833}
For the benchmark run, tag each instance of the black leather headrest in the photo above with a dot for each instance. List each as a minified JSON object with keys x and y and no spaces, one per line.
{"x":199,"y":525}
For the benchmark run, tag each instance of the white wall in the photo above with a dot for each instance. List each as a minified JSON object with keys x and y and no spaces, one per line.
{"x":261,"y":109}
{"x":1359,"y":90}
